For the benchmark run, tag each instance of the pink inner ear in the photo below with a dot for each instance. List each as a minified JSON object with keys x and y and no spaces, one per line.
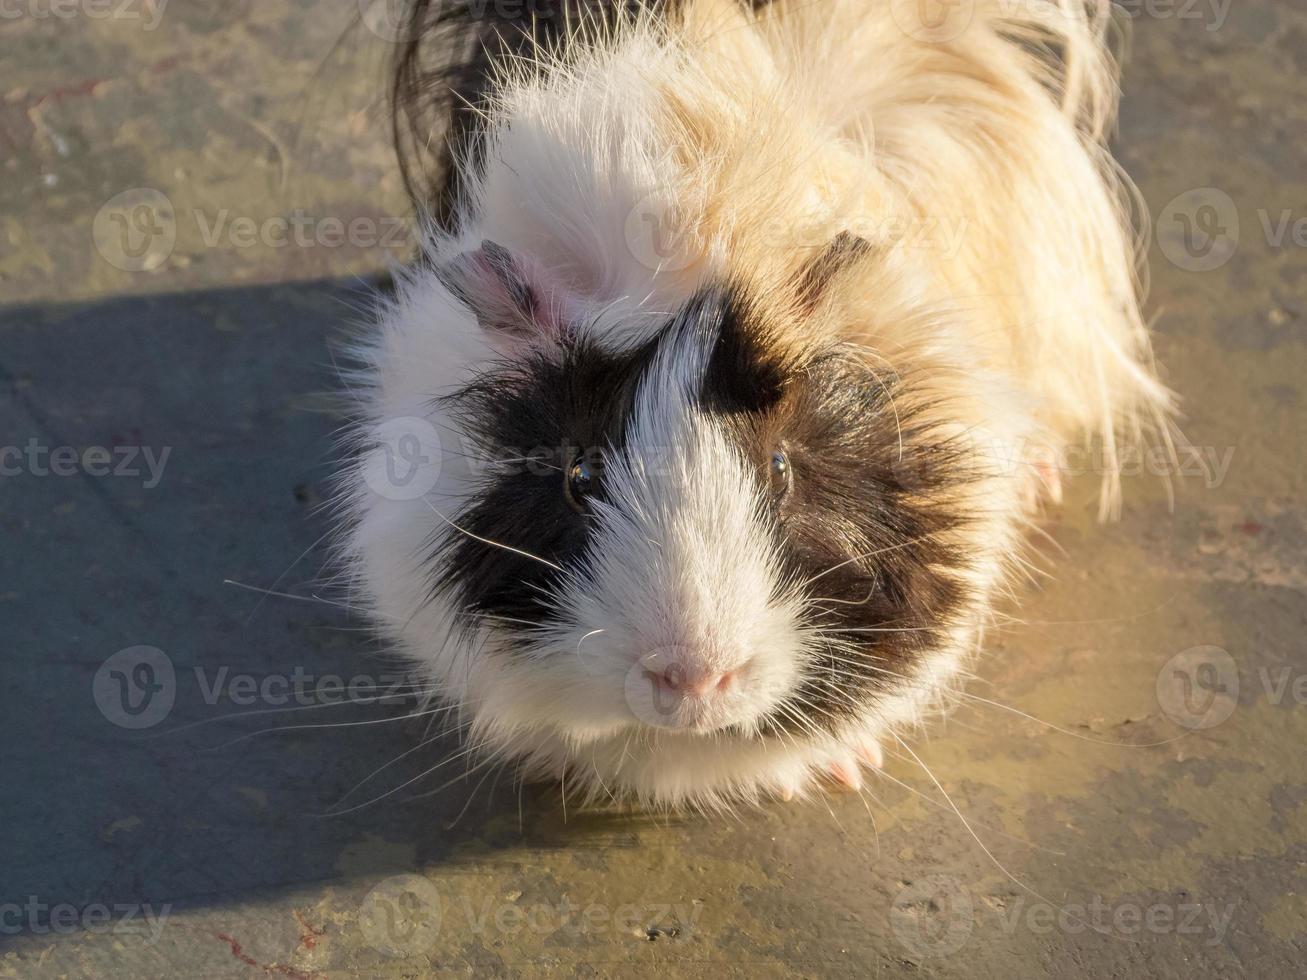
{"x":511,"y":294}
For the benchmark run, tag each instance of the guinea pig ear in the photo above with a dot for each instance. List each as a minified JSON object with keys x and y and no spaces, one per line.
{"x":510,"y":295}
{"x":841,"y":253}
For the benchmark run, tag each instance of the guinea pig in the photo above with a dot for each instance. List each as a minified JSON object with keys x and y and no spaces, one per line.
{"x":696,"y":447}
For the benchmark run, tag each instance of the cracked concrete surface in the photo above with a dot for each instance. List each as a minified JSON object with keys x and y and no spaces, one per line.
{"x":1152,"y":822}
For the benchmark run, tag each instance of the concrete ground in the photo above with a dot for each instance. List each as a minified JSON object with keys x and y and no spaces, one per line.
{"x":1152,"y":822}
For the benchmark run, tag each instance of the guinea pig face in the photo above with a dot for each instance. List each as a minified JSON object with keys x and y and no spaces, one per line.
{"x":699,"y":530}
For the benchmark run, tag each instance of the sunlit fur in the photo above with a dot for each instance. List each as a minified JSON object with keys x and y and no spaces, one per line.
{"x":999,"y":290}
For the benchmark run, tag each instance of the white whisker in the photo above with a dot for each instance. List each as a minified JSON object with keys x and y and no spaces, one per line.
{"x":493,"y":544}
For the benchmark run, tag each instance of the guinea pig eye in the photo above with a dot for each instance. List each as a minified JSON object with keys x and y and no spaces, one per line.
{"x":780,"y":471}
{"x":582,"y":482}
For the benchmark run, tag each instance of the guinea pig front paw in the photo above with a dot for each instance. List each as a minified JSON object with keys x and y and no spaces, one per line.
{"x":869,"y":751}
{"x":841,"y":767}
{"x":845,"y":765}
{"x":847,"y":774}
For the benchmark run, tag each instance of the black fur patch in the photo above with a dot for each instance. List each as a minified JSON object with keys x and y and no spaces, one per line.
{"x":865,"y":525}
{"x":867,"y":506}
{"x":746,"y":372}
{"x":539,"y":415}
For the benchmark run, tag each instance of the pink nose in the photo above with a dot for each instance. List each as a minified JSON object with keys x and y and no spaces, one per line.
{"x":687,"y":682}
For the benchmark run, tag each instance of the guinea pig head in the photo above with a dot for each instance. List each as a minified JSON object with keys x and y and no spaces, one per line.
{"x":709,"y":528}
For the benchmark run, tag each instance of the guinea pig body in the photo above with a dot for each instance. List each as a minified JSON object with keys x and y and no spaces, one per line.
{"x":741,"y":348}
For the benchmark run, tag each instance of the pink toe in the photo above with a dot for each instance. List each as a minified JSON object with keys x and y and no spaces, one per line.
{"x":847,"y":774}
{"x":870,"y":753}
